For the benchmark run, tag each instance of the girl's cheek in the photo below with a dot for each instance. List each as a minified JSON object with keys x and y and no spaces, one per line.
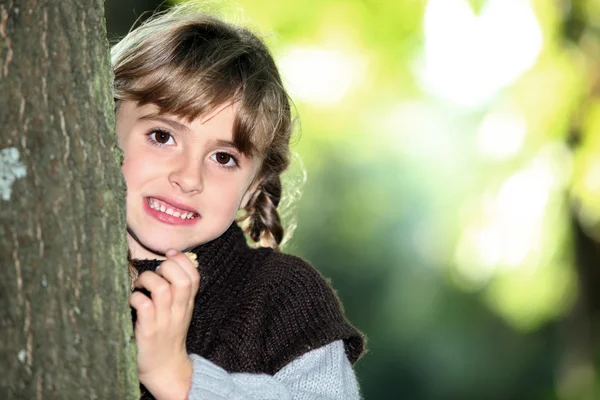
{"x":127,"y":171}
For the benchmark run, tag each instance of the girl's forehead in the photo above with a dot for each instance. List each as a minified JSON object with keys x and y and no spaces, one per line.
{"x":202,"y":116}
{"x":222,"y":114}
{"x":229,"y":108}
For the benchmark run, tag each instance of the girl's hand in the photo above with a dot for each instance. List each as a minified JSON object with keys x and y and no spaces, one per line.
{"x":162,"y":324}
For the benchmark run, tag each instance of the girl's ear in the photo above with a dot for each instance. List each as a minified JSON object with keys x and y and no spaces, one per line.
{"x":250,"y":193}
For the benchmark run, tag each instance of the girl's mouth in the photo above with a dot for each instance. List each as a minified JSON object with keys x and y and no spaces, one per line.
{"x":167,"y":212}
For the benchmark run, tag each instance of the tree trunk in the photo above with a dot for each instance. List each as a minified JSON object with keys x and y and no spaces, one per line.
{"x":65,"y":325}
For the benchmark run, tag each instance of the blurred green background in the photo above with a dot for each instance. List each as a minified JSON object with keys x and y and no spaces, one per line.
{"x":452,"y":189}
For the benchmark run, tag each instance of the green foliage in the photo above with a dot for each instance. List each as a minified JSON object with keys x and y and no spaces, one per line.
{"x":445,"y":225}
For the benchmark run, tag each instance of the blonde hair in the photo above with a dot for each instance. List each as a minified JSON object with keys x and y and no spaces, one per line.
{"x":189,"y":63}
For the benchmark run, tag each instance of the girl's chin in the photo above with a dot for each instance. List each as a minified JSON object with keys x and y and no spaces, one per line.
{"x":155,"y":245}
{"x":139,"y":248}
{"x":158,"y":249}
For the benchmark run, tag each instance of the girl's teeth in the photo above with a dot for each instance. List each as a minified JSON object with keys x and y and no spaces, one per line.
{"x":154,"y":205}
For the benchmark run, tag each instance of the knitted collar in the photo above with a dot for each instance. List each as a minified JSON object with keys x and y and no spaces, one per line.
{"x":210,"y":256}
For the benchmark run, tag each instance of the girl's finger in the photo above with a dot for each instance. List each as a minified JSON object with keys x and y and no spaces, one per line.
{"x":160,"y":292}
{"x":189,"y":268}
{"x":146,"y":313}
{"x":180,"y":281}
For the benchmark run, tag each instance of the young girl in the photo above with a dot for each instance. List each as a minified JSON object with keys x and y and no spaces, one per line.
{"x":205,"y":124}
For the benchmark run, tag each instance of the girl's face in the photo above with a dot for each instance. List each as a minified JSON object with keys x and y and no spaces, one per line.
{"x":185,"y":181}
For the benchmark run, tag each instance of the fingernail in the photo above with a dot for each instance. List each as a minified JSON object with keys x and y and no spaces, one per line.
{"x":171,"y":252}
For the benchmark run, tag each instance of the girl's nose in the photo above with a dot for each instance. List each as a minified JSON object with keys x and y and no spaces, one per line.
{"x":187,"y":176}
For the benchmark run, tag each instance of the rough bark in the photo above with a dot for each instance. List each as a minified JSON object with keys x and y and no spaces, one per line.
{"x":65,"y":327}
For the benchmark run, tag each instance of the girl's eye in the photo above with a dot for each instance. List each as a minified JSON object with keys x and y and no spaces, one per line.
{"x":161,"y":137}
{"x":224,"y":159}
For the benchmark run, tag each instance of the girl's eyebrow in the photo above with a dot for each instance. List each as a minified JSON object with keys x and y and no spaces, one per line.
{"x":178,"y":126}
{"x":226,"y":143}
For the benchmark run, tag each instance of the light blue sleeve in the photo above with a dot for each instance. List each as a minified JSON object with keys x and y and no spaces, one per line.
{"x":321,"y":374}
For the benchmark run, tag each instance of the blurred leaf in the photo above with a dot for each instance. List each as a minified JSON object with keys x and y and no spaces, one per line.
{"x":477,"y":5}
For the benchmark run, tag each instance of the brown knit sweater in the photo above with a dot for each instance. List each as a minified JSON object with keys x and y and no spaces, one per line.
{"x":258,"y":309}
